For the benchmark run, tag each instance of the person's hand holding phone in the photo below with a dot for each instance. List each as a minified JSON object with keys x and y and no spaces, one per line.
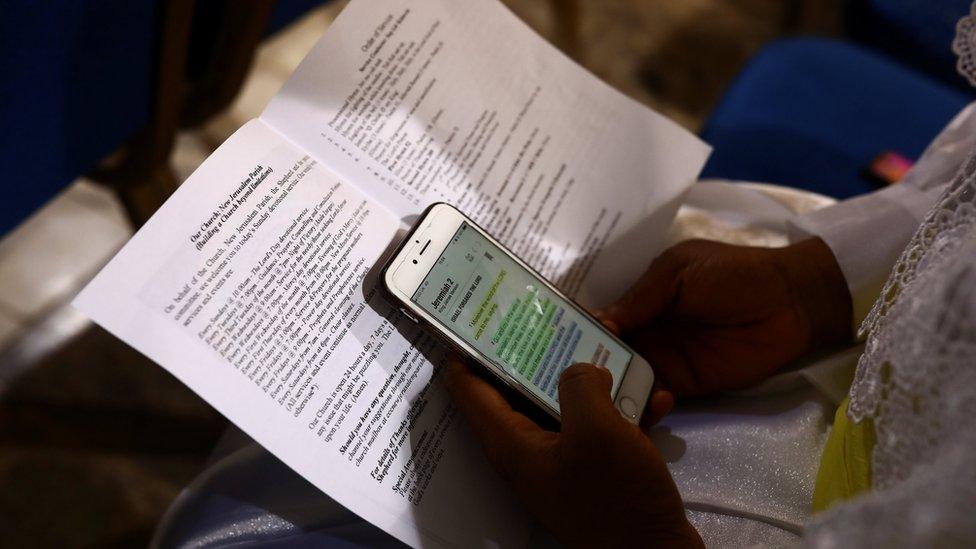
{"x":711,"y":317}
{"x":599,"y":482}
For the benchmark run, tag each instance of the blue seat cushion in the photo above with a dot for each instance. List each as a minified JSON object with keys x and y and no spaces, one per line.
{"x":916,"y":32}
{"x":812,"y":113}
{"x":77,"y":82}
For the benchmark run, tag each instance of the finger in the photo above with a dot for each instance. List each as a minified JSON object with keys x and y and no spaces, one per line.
{"x":659,"y":404}
{"x":506,"y":435}
{"x":584,"y":399}
{"x":664,"y":348}
{"x":647,"y":298}
{"x":612,"y":326}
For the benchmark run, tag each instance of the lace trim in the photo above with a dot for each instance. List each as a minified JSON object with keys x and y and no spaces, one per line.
{"x":917,"y":381}
{"x":964,"y":46}
{"x":947,"y":226}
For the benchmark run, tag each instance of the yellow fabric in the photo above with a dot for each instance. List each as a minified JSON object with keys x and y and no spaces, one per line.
{"x":845,"y":465}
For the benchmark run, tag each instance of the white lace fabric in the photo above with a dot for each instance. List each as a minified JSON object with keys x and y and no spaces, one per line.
{"x":964,"y":46}
{"x":917,"y":380}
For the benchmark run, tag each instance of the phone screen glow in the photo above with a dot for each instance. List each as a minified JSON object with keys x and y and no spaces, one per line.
{"x":501,"y":309}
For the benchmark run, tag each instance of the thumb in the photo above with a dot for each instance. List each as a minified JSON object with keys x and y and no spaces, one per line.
{"x":584,"y":399}
{"x":647,"y":298}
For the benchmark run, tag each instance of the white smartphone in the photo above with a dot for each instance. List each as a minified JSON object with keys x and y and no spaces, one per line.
{"x":454,"y":278}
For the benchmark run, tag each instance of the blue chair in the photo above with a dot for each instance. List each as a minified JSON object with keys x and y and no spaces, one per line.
{"x":916,"y":32}
{"x":812,"y":113}
{"x":76,"y":84}
{"x":84,"y":79}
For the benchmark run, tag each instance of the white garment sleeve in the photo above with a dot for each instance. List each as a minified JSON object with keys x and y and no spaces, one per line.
{"x":868,"y":233}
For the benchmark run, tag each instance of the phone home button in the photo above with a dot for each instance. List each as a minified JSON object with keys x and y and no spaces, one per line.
{"x":628,"y":407}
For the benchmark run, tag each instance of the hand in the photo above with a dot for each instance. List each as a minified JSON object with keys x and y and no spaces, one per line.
{"x":599,"y":482}
{"x":712,"y":317}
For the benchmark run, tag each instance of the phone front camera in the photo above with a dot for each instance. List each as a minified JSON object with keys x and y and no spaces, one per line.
{"x":414,"y":261}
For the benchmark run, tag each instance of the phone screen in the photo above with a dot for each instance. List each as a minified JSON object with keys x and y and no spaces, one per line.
{"x":501,"y":309}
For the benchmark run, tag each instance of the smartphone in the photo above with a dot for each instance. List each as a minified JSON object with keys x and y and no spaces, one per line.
{"x":452,"y":277}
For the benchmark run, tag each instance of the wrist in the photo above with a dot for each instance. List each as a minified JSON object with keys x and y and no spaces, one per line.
{"x":820,"y":291}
